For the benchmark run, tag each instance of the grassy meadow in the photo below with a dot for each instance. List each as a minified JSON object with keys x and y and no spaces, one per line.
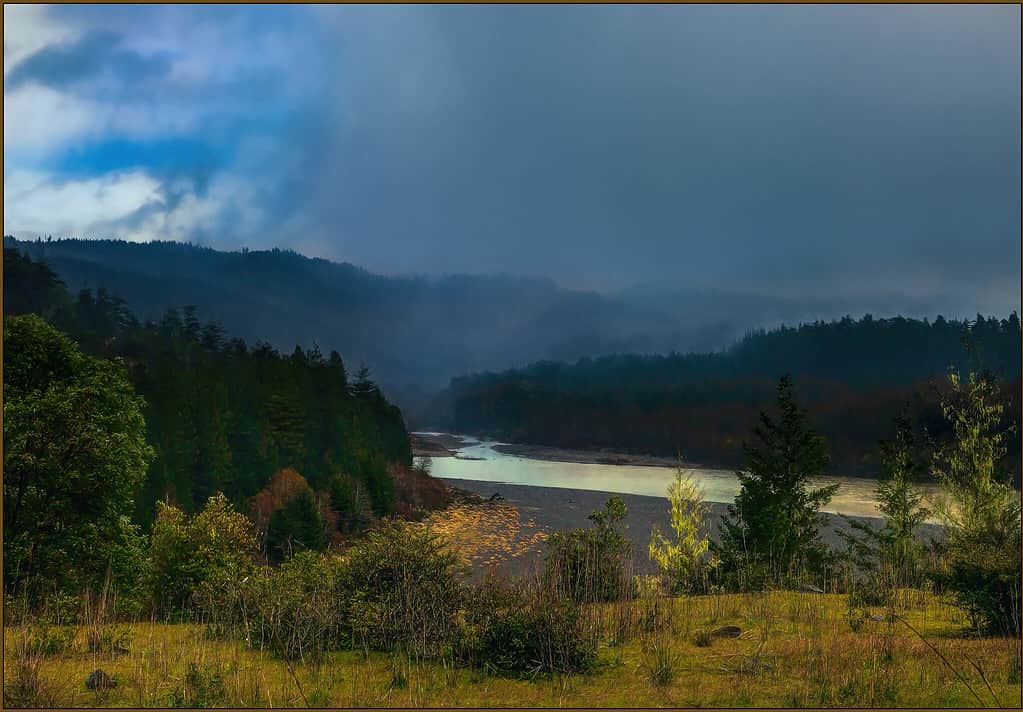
{"x":793,"y":649}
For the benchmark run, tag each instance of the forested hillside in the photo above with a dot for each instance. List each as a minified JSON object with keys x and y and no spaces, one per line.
{"x":419,"y":332}
{"x":854,"y":376}
{"x":414,"y":331}
{"x":221,"y":414}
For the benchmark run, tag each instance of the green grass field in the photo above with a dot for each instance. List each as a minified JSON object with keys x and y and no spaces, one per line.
{"x":795,"y":649}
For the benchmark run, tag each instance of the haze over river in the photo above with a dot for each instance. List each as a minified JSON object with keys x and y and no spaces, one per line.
{"x":480,"y":461}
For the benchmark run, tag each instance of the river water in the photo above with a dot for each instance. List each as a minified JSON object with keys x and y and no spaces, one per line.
{"x":478,"y":460}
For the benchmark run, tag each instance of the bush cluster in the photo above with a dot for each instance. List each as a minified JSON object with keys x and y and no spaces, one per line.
{"x":403,"y":586}
{"x":513,"y":630}
{"x":402,"y":589}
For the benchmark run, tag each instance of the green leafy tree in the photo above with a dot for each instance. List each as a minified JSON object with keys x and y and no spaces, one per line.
{"x":75,"y":455}
{"x":771,"y":531}
{"x":214,"y":547}
{"x":680,"y":559}
{"x":981,"y":511}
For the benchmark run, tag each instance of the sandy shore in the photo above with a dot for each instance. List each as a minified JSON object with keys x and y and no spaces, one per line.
{"x":434,"y":444}
{"x":507,"y":534}
{"x":445,"y":445}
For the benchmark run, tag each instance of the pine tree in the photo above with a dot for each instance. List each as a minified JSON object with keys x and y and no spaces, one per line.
{"x":891,"y":555}
{"x":214,"y":448}
{"x":363,"y":387}
{"x":350,"y":500}
{"x":192,"y":328}
{"x":771,"y":531}
{"x":296,"y":526}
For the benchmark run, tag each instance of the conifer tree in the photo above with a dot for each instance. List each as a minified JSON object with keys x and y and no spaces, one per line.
{"x":296,"y":526}
{"x":680,"y":559}
{"x":771,"y":531}
{"x":891,"y":554}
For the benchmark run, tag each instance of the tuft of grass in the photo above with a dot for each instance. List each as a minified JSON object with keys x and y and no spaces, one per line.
{"x":202,"y":687}
{"x":1013,"y":675}
{"x":25,"y":685}
{"x":109,"y":639}
{"x":662,"y":663}
{"x":399,"y":672}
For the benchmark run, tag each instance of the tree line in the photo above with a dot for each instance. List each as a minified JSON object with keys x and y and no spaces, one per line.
{"x":853,"y":375}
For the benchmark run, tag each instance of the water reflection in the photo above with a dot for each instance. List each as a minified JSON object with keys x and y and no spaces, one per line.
{"x":478,"y":460}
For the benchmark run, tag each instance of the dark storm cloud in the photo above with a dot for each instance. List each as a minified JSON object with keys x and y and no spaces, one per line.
{"x":782,"y":147}
{"x":796,"y":150}
{"x":95,"y":53}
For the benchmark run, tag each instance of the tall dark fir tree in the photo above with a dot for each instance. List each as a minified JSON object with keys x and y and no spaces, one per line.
{"x":771,"y":533}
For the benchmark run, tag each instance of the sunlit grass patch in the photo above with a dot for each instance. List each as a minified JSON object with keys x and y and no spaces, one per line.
{"x":793,"y":648}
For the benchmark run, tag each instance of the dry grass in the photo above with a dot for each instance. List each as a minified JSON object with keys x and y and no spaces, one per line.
{"x":796,"y":649}
{"x":488,"y":535}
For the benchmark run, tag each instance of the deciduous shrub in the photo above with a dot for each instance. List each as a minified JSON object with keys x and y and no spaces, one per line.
{"x":213,"y":548}
{"x":294,"y":610}
{"x":401,"y":585}
{"x":47,"y":640}
{"x":588,"y":565}
{"x":513,"y":630}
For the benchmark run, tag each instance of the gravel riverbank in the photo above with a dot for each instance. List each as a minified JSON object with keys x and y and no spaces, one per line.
{"x":531,"y":513}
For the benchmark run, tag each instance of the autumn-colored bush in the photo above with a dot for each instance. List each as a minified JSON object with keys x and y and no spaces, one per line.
{"x":289,"y":516}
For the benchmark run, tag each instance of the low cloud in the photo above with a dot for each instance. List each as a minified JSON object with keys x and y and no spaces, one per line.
{"x":781,"y":149}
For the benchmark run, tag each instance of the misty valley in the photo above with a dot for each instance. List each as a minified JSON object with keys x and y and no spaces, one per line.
{"x":527,"y":355}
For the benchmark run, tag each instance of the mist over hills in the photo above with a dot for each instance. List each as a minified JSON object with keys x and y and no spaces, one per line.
{"x":413,"y":331}
{"x":418,"y":332}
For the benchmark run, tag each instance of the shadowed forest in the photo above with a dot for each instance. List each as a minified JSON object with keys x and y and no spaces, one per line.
{"x":853,"y":376}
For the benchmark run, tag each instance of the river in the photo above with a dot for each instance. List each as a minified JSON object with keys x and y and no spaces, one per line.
{"x":479,"y":460}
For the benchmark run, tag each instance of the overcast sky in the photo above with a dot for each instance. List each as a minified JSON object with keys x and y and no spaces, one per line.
{"x":790,"y":149}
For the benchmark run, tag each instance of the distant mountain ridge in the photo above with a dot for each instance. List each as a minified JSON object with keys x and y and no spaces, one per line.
{"x":419,"y":332}
{"x":413,"y":330}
